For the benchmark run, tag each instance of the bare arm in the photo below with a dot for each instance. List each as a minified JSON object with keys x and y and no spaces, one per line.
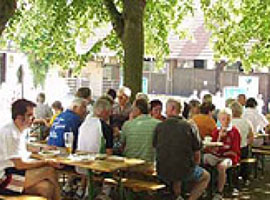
{"x":24,"y":165}
{"x":197,"y":157}
{"x":109,"y":151}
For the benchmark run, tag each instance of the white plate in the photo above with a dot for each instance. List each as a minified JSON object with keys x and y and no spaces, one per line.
{"x":116,"y":158}
{"x":49,"y":152}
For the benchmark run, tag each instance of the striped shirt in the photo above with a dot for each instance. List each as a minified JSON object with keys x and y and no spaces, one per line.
{"x":137,"y":135}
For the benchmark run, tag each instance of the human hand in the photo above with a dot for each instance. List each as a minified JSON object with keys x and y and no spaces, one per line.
{"x":49,"y":147}
{"x":54,"y":164}
{"x":214,"y":150}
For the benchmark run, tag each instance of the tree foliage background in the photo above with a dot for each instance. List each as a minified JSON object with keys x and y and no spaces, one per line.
{"x":48,"y":30}
{"x":240,"y":30}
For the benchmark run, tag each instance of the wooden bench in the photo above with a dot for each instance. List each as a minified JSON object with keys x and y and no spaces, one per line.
{"x":133,"y":184}
{"x":22,"y":197}
{"x":251,"y":162}
{"x":260,"y":156}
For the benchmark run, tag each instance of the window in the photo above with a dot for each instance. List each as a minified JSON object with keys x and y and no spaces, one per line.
{"x":199,"y":64}
{"x":107,"y":72}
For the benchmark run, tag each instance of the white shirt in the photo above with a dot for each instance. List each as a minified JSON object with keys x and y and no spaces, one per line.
{"x":89,"y":139}
{"x":257,"y":120}
{"x":13,"y":145}
{"x":90,"y":134}
{"x":244,"y":127}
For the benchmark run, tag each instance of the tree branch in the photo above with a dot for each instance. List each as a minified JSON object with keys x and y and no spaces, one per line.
{"x":116,"y":17}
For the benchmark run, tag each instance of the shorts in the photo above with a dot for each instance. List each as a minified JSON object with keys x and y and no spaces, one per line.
{"x":213,"y":160}
{"x":195,"y":175}
{"x":12,"y":182}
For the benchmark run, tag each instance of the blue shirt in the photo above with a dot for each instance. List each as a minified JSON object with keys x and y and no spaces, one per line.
{"x":67,"y":121}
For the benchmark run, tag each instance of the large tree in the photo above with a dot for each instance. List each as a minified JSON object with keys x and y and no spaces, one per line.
{"x":7,"y":9}
{"x":48,"y":30}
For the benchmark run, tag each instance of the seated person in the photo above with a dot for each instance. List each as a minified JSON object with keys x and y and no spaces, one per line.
{"x":204,"y":121}
{"x":156,"y":109}
{"x":194,"y":108}
{"x":17,"y":175}
{"x":121,"y":109}
{"x":227,"y":155}
{"x":58,"y":109}
{"x":96,"y":136}
{"x":257,"y":119}
{"x":42,"y":113}
{"x":68,"y":121}
{"x":137,"y":134}
{"x":178,"y":147}
{"x":245,"y":129}
{"x":86,"y":93}
{"x":42,"y":110}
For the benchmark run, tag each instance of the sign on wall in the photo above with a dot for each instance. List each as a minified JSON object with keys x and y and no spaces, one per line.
{"x":251,"y":85}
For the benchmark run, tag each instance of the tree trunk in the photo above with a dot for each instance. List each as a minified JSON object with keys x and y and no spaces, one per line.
{"x":133,"y":44}
{"x":7,"y":9}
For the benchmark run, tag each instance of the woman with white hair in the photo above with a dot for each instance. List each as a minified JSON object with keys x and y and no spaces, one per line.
{"x":229,"y":153}
{"x":245,"y":128}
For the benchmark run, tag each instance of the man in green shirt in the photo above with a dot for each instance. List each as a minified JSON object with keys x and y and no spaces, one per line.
{"x":137,"y":134}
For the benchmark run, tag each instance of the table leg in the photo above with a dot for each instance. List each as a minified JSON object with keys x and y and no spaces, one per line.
{"x":120,"y":186}
{"x":90,"y":185}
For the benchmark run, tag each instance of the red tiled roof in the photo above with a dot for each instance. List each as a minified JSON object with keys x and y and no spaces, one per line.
{"x":198,"y":48}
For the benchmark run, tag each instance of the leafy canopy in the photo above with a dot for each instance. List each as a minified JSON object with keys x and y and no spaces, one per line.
{"x":48,"y":30}
{"x":240,"y":30}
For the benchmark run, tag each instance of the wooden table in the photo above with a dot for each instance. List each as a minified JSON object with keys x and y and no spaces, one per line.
{"x":109,"y":165}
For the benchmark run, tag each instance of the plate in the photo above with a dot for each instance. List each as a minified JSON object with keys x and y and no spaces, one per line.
{"x":101,"y":156}
{"x":81,"y":158}
{"x":49,"y":152}
{"x":213,"y":144}
{"x":116,"y":158}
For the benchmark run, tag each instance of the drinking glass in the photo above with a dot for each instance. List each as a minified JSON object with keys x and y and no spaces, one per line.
{"x":68,"y":136}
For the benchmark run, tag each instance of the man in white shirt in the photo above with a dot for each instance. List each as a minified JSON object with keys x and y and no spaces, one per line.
{"x":257,"y":119}
{"x":96,"y":136}
{"x":35,"y":177}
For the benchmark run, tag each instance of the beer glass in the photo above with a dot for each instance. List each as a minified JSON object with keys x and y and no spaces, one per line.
{"x":68,"y":137}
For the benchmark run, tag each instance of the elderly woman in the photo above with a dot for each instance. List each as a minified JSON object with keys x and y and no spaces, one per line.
{"x":245,"y":128}
{"x":227,"y":155}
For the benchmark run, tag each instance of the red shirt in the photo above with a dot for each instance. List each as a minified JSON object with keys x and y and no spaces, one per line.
{"x":231,"y":142}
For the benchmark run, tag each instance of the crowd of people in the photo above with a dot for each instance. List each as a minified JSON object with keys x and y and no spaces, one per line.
{"x":114,"y":125}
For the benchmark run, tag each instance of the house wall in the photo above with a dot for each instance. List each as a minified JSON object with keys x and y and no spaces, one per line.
{"x":185,"y":81}
{"x":94,"y":73}
{"x":156,"y":82}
